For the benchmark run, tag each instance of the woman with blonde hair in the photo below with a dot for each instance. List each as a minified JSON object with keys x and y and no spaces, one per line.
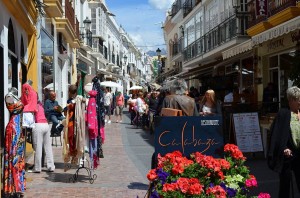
{"x":209,"y":104}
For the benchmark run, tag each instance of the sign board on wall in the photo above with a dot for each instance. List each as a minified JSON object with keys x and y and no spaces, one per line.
{"x":189,"y":134}
{"x":247,"y":132}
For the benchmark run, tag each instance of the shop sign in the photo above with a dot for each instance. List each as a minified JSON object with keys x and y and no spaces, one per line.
{"x":273,"y":45}
{"x":189,"y":134}
{"x":261,"y":7}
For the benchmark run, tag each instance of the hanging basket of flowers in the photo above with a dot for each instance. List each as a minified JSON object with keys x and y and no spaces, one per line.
{"x":202,"y":176}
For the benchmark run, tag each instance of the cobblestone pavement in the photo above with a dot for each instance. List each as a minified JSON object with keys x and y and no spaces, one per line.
{"x":117,"y":176}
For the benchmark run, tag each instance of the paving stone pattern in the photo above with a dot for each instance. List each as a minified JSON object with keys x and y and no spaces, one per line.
{"x":117,"y":176}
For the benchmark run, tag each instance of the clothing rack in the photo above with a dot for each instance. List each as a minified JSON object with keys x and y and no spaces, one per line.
{"x":92,"y":177}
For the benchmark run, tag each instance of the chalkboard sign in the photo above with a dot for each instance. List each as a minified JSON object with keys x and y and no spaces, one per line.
{"x":247,"y":132}
{"x":189,"y":134}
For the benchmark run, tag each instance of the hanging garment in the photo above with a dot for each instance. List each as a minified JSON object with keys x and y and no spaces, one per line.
{"x":29,"y":98}
{"x":92,"y":125}
{"x":80,"y":123}
{"x":14,"y":151}
{"x":100,"y":115}
{"x":68,"y":142}
{"x":74,"y":132}
{"x":91,"y":115}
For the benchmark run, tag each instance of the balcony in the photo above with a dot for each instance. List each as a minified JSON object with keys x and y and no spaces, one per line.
{"x":283,"y":13}
{"x":177,"y":12}
{"x":97,"y":48}
{"x":279,"y":12}
{"x":133,"y":70}
{"x":67,"y":26}
{"x":188,"y":6}
{"x":175,"y":7}
{"x":216,"y":37}
{"x":54,"y":8}
{"x":177,"y":50}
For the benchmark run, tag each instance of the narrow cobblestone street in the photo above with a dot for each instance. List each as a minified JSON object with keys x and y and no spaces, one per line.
{"x":117,"y":175}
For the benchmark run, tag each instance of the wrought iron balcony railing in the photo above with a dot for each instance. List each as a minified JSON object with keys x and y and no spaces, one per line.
{"x":221,"y":34}
{"x":176,"y":7}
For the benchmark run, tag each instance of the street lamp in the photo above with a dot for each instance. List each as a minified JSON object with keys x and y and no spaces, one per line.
{"x":236,"y":4}
{"x":87,"y":23}
{"x":158,"y":51}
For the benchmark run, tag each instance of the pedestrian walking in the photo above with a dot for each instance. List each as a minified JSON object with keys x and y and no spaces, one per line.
{"x":107,"y":104}
{"x":119,"y":106}
{"x":178,"y":99}
{"x":284,"y":149}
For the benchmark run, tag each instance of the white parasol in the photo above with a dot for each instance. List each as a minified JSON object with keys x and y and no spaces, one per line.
{"x":49,"y":86}
{"x":109,"y":84}
{"x":135,"y":87}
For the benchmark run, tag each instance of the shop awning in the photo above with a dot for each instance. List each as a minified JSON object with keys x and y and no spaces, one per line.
{"x":238,"y":49}
{"x":277,"y":31}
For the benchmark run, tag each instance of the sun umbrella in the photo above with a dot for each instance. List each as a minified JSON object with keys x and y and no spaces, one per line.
{"x":49,"y":86}
{"x":155,"y":86}
{"x":135,"y":87}
{"x":109,"y":84}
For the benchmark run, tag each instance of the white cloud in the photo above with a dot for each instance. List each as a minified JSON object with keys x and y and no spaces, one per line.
{"x":143,"y":23}
{"x":161,"y":4}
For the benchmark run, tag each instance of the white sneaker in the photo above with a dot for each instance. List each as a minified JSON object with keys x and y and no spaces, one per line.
{"x":120,"y":121}
{"x":105,"y":120}
{"x":109,"y":122}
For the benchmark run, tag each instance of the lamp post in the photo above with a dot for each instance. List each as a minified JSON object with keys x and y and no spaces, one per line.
{"x":87,"y":25}
{"x":236,"y":4}
{"x":158,"y":52}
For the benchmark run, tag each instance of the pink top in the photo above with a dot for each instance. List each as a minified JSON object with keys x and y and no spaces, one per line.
{"x":40,"y":114}
{"x":91,"y":115}
{"x":29,"y":98}
{"x":120,"y":100}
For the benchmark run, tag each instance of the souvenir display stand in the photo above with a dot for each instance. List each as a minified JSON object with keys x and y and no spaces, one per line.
{"x":92,"y":177}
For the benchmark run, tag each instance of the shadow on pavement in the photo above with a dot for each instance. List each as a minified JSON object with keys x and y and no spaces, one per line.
{"x":138,"y":186}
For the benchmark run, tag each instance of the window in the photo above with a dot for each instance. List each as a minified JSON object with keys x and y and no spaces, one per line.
{"x":47,"y":50}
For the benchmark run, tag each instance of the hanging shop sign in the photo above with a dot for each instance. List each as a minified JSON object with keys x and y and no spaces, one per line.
{"x":189,"y":134}
{"x":261,"y":7}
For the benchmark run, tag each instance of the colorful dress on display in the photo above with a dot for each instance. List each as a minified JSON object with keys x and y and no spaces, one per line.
{"x":92,"y":125}
{"x":74,"y":135}
{"x":100,"y":116}
{"x":14,"y":151}
{"x":69,"y":138}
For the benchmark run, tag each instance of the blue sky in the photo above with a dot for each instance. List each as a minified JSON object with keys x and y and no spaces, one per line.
{"x":142,"y":19}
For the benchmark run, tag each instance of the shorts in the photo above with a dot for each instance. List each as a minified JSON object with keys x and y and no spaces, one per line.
{"x":119,"y":110}
{"x":107,"y":110}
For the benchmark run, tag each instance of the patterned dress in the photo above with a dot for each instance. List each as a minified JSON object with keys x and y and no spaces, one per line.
{"x":92,"y":125}
{"x":14,"y":151}
{"x":100,"y":116}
